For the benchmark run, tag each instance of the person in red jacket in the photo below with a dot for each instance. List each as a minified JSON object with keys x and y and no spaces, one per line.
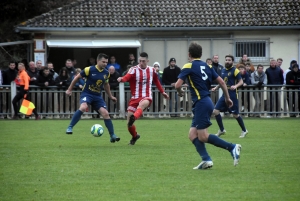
{"x":140,"y":79}
{"x":23,"y":80}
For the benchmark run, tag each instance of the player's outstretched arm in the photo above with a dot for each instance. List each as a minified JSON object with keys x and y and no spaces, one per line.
{"x":240,"y":83}
{"x":107,"y":90}
{"x":74,"y":81}
{"x":223,"y":86}
{"x":178,"y":86}
{"x":159,"y":87}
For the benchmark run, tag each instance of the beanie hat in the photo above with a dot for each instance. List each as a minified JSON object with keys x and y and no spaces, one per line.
{"x":156,"y":63}
{"x":172,"y":59}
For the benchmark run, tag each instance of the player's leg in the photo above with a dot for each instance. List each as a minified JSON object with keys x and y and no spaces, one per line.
{"x":143,"y":104}
{"x":84,"y":101}
{"x":235,"y":111}
{"x":220,"y":106}
{"x":15,"y":101}
{"x":108,"y":123}
{"x":132,"y":128}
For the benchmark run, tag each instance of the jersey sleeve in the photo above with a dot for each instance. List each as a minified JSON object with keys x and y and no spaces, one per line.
{"x":85,"y":72}
{"x":237,"y":74}
{"x":185,"y":71}
{"x":128,"y":75}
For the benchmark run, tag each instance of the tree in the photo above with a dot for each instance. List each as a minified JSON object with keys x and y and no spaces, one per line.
{"x":14,"y":12}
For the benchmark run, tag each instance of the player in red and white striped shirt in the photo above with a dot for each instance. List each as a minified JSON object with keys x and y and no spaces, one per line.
{"x":140,"y":78}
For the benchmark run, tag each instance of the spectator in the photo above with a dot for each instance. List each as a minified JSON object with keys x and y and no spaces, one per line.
{"x":33,"y":73}
{"x":23,"y":93}
{"x":233,"y":81}
{"x":132,"y":60}
{"x":39,"y":65}
{"x":80,"y":83}
{"x":63,"y":79}
{"x":275,"y":77}
{"x":1,"y":78}
{"x":293,"y":78}
{"x":169,"y":77}
{"x":246,"y":82}
{"x":244,"y":60}
{"x":74,"y":62}
{"x":156,"y":66}
{"x":112,"y":62}
{"x":70,"y":68}
{"x":92,"y":61}
{"x":209,"y":61}
{"x":9,"y":74}
{"x":113,"y":78}
{"x":292,"y":63}
{"x":45,"y":78}
{"x":279,"y":62}
{"x":125,"y":72}
{"x":215,"y":64}
{"x":140,"y":76}
{"x":258,"y":79}
{"x":51,"y":68}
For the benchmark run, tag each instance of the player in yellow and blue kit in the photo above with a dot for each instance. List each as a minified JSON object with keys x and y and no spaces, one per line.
{"x":233,"y":80}
{"x":96,"y":79}
{"x":200,"y":77}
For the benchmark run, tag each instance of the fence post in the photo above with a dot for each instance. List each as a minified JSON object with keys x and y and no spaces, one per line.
{"x":13,"y":92}
{"x":122,"y":100}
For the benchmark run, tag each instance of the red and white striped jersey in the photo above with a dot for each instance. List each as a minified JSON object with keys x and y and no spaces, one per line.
{"x":140,"y":81}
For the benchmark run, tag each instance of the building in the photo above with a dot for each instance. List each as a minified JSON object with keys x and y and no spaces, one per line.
{"x":261,"y":29}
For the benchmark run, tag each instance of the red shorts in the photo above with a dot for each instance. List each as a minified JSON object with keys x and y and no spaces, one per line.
{"x":134,"y":103}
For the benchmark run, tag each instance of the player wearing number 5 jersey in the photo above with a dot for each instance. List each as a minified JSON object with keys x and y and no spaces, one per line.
{"x":96,"y":79}
{"x":200,"y":77}
{"x":233,"y":80}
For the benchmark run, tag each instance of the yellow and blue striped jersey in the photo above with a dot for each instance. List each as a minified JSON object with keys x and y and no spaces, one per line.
{"x":95,"y":79}
{"x":199,"y":77}
{"x":231,"y":76}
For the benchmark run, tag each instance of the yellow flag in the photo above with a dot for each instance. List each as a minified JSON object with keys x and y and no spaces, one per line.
{"x":26,"y":107}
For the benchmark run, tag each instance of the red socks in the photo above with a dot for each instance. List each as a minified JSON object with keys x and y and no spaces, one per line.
{"x":132,"y":130}
{"x":138,"y":113}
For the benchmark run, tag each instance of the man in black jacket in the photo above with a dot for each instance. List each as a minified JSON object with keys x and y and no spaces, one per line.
{"x":293,"y":78}
{"x":169,"y":77}
{"x":9,"y":74}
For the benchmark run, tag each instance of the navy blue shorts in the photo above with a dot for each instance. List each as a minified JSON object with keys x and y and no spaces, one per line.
{"x":96,"y":101}
{"x":202,"y":111}
{"x":221,"y":105}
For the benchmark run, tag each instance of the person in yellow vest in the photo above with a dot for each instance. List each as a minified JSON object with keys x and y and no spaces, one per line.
{"x":23,"y":80}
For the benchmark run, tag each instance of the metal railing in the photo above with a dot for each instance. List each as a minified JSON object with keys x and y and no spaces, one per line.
{"x":52,"y":102}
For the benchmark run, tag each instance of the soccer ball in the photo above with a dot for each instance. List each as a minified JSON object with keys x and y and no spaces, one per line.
{"x":97,"y":130}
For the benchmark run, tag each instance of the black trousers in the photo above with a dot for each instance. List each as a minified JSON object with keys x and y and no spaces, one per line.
{"x":19,"y":96}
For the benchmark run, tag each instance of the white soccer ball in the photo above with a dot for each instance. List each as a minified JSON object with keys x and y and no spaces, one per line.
{"x":97,"y":130}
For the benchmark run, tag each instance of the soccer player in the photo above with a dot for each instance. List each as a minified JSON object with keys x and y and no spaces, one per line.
{"x":233,"y":80}
{"x":140,"y":79}
{"x":96,"y":79}
{"x":23,"y":79}
{"x":200,"y":77}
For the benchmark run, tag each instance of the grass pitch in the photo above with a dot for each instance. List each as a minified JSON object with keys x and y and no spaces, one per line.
{"x":39,"y":162}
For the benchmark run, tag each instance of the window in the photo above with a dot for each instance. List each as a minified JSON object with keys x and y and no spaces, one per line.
{"x":256,"y":50}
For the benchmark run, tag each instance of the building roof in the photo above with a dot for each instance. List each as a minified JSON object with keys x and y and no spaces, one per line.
{"x":159,"y":15}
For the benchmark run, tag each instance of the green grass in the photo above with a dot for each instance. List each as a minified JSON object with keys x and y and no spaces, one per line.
{"x":39,"y":162}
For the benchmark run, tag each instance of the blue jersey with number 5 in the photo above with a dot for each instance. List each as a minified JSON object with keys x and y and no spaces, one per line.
{"x":199,"y":77}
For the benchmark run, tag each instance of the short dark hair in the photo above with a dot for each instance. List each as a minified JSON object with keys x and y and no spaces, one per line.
{"x":229,"y":55}
{"x":46,"y":68}
{"x":12,"y":62}
{"x":208,"y":59}
{"x":259,"y":65}
{"x":242,"y":66}
{"x":102,"y":55}
{"x":144,"y":54}
{"x":195,"y":50}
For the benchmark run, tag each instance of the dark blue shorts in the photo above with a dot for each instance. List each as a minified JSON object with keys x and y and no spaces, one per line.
{"x":202,"y":111}
{"x":221,"y":105}
{"x":96,"y":101}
